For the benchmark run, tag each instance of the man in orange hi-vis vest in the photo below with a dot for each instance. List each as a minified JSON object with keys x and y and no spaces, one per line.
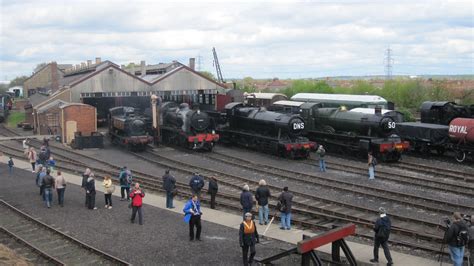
{"x":248,"y":237}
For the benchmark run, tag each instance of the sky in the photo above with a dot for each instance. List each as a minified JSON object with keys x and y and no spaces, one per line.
{"x":259,"y":39}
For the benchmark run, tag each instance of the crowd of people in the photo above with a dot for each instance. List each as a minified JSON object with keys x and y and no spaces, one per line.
{"x":259,"y":202}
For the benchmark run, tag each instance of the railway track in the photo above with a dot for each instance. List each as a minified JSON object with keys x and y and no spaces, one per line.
{"x":308,"y":212}
{"x":58,"y":247}
{"x":361,"y":189}
{"x":25,"y":250}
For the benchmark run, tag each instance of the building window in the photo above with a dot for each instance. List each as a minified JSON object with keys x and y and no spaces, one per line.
{"x":52,"y":120}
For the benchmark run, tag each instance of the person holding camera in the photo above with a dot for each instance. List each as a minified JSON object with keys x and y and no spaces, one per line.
{"x":454,"y":240}
{"x":248,"y":237}
{"x":137,"y":199}
{"x":382,"y":232}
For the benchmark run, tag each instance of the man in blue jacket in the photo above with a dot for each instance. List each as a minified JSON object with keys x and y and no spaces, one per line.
{"x":196,"y":183}
{"x":246,"y":200}
{"x":382,"y":233}
{"x":192,"y":212}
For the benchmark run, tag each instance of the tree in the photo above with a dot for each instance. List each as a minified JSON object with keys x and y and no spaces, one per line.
{"x":18,"y":81}
{"x":208,"y":74}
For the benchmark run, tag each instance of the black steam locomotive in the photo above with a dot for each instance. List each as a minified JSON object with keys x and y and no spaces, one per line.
{"x":260,"y":129}
{"x":355,"y":131}
{"x":443,"y":112}
{"x":128,"y":128}
{"x":185,"y":127}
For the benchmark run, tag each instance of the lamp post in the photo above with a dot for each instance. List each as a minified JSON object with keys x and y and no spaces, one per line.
{"x":155,"y":100}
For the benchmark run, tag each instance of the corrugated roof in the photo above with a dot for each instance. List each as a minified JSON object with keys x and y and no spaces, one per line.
{"x":263,"y":95}
{"x":288,"y":103}
{"x":338,"y":97}
{"x":37,"y":98}
{"x":46,"y":107}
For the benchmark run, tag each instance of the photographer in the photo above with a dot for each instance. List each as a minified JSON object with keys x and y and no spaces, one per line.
{"x":456,"y":247}
{"x":137,"y":194}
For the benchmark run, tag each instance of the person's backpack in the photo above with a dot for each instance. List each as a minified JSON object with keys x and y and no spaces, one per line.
{"x":281,"y":206}
{"x":374,"y":161}
{"x":129,"y":177}
{"x":462,"y":239}
{"x":383,"y":232}
{"x":322,"y":152}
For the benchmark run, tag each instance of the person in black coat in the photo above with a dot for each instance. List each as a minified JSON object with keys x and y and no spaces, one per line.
{"x":248,"y":237}
{"x":261,"y":195}
{"x":196,"y":183}
{"x":456,"y":249}
{"x":85,"y":176}
{"x":90,"y":192}
{"x":285,"y":201}
{"x":246,"y":200}
{"x":213,"y":187}
{"x":169,"y":185}
{"x":382,"y":232}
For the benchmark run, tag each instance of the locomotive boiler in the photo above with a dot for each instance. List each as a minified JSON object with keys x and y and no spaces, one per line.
{"x":334,"y":120}
{"x":189,"y":128}
{"x":258,"y":128}
{"x":129,"y":129}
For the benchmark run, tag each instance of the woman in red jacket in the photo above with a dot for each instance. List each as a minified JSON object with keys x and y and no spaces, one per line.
{"x":137,"y":194}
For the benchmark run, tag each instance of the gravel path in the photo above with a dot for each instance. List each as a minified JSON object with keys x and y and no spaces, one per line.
{"x":163,"y":239}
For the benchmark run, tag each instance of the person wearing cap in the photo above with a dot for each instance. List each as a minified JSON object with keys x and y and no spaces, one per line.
{"x":321,"y":152}
{"x":285,"y":201}
{"x":196,"y":183}
{"x":246,"y":200}
{"x":456,"y":249}
{"x":169,"y":185}
{"x":248,"y":237}
{"x":382,"y":232}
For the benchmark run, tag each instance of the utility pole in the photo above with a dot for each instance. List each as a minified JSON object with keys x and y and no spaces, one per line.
{"x":388,"y":62}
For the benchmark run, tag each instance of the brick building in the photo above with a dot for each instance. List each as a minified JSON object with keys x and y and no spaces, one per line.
{"x":46,"y":79}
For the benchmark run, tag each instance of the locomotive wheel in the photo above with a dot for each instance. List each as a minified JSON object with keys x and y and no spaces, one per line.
{"x":460,"y":156}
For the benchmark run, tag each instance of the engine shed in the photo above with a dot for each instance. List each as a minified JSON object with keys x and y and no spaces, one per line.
{"x":105,"y":85}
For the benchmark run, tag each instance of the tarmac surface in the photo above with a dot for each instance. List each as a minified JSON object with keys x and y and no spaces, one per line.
{"x":163,"y":239}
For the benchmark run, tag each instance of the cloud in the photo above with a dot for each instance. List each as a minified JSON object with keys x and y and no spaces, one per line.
{"x":259,"y":39}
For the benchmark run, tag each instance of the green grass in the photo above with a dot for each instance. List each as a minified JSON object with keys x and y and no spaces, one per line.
{"x":14,"y":118}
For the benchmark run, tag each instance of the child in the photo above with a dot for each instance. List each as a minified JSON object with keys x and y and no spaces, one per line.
{"x":51,"y":164}
{"x":10,"y":165}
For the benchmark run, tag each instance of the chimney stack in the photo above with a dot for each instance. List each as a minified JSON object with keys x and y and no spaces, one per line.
{"x":89,"y":63}
{"x":97,"y":60}
{"x":192,"y":62}
{"x":143,"y":68}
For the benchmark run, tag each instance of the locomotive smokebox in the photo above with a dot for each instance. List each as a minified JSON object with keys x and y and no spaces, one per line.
{"x":462,"y":129}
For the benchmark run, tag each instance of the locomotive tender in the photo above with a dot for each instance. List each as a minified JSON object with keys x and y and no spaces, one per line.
{"x":357,"y":131}
{"x":444,"y":112}
{"x":129,"y":129}
{"x":188,"y":128}
{"x":258,"y":128}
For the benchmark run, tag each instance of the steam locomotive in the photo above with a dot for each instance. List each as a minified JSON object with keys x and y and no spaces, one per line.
{"x":263,"y":130}
{"x":357,"y":131}
{"x":443,"y":113}
{"x":188,"y":128}
{"x":128,"y":128}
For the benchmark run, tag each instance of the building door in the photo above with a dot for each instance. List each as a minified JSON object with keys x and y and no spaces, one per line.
{"x":71,"y":128}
